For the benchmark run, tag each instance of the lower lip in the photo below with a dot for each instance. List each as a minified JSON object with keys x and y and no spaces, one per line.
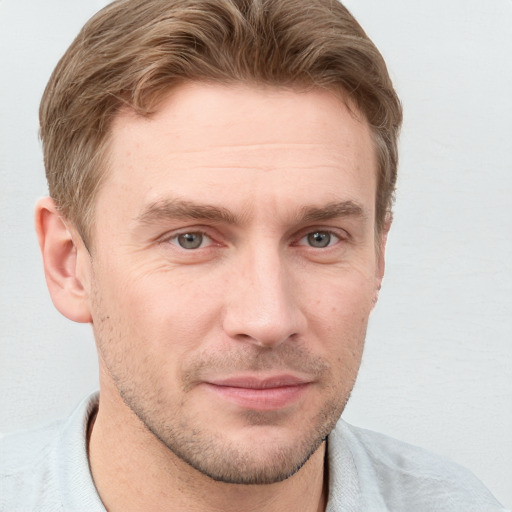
{"x":268,"y":399}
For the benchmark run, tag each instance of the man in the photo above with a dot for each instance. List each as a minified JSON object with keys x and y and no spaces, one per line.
{"x":221,"y":178}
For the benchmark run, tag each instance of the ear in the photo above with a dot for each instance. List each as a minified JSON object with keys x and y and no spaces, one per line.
{"x":61,"y":255}
{"x":381,"y":256}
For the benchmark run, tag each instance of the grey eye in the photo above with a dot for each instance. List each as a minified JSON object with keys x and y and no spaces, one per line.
{"x":190,"y":240}
{"x":319,"y":239}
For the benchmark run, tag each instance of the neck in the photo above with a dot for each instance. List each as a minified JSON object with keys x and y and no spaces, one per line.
{"x":133,"y":470}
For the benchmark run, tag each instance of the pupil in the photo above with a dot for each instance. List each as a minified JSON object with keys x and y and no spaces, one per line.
{"x":190,"y":240}
{"x":319,"y":239}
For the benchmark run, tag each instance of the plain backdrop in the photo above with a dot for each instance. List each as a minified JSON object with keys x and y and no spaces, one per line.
{"x":437,"y":371}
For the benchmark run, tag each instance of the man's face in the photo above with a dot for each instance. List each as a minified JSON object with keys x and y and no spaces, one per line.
{"x":233,"y":270}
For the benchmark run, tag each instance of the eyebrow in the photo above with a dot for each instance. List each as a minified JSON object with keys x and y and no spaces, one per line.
{"x":180,"y":209}
{"x":332,"y":211}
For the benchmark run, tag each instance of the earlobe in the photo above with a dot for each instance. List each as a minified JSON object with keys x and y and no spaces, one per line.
{"x":61,"y":266}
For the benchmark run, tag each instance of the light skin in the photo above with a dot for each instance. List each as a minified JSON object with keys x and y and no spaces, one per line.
{"x":232,"y":269}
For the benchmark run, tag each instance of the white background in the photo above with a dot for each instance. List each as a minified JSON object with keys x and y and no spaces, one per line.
{"x":437,"y":371}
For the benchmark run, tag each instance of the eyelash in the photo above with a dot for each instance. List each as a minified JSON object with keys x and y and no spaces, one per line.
{"x":331,"y":234}
{"x":339,"y":237}
{"x":176,"y":236}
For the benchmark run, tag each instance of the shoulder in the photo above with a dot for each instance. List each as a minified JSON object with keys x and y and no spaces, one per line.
{"x":47,"y":469}
{"x":404,"y":477}
{"x":26,"y":461}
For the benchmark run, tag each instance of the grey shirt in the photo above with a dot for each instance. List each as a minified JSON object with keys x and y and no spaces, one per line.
{"x":48,"y":470}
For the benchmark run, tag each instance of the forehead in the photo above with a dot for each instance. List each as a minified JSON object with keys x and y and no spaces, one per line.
{"x":199,"y":116}
{"x":224,"y":144}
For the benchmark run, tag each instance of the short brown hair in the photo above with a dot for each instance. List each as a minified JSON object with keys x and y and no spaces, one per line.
{"x":132,"y":52}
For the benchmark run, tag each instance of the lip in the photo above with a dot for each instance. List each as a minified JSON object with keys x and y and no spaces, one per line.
{"x":262,"y":394}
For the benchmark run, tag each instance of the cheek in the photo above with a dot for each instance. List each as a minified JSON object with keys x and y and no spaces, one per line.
{"x":159,"y":312}
{"x":342,"y":299}
{"x":338,"y":317}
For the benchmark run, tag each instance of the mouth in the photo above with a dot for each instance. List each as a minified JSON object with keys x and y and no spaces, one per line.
{"x":261,"y":394}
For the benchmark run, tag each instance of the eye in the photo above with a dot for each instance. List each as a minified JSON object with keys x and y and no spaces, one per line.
{"x":319,"y":239}
{"x":191,"y":240}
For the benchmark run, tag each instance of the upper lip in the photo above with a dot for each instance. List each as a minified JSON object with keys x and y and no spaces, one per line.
{"x":254,"y":382}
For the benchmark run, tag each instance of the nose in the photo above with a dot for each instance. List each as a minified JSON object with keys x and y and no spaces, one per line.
{"x":262,"y":303}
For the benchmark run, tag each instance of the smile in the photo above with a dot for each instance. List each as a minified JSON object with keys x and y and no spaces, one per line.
{"x":260,"y":394}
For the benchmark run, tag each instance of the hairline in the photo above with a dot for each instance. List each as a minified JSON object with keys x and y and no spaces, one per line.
{"x":85,"y":224}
